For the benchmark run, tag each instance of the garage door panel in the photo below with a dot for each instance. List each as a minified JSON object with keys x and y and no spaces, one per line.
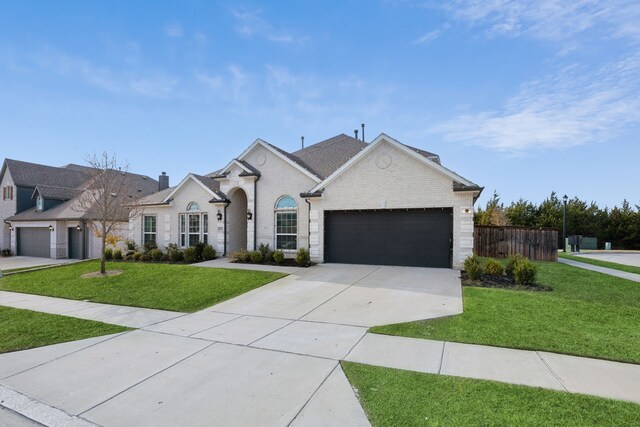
{"x":34,"y":241}
{"x":391,"y":237}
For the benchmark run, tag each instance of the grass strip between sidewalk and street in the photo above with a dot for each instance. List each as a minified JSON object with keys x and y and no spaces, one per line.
{"x":601,"y":263}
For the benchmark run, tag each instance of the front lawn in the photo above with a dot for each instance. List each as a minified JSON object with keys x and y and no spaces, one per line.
{"x":600,"y":263}
{"x":393,"y":397}
{"x":587,"y":314}
{"x":23,"y":329}
{"x":162,"y":286}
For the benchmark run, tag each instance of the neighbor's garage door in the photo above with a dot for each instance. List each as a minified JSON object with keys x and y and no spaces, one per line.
{"x":34,"y":242}
{"x":419,"y":238}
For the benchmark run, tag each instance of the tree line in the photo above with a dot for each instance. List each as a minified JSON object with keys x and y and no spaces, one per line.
{"x":618,"y":225}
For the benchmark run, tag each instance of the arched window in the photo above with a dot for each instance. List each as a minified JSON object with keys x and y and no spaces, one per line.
{"x":286,"y":213}
{"x":193,"y":226}
{"x":192,"y":207}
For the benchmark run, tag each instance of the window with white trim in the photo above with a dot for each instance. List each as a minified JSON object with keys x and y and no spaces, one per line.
{"x":286,"y":216}
{"x":193,"y":226}
{"x":149,"y":228}
{"x":40,"y":203}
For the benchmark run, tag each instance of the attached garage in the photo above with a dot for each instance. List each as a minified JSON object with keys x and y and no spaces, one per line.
{"x":34,"y":241}
{"x":414,"y":237}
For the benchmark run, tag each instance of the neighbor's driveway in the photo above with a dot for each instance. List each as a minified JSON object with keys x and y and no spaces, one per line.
{"x":268,"y":357}
{"x":12,"y":262}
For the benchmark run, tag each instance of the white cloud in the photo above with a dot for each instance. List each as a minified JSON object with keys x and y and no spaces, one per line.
{"x":428,"y":37}
{"x":250,"y":23}
{"x":173,"y":30}
{"x":571,"y":108}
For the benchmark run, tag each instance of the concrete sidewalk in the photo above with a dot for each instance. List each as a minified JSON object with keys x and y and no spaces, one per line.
{"x":132,"y":317}
{"x":573,"y":374}
{"x":610,"y":271}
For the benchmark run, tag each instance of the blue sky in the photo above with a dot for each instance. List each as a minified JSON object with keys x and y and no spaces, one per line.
{"x":521,"y":97}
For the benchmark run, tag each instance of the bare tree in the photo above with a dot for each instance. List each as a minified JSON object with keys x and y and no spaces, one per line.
{"x":109,"y":198}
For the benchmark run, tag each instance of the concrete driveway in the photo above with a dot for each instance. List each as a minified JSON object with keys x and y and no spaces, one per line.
{"x":12,"y":262}
{"x":268,"y":357}
{"x":627,"y":258}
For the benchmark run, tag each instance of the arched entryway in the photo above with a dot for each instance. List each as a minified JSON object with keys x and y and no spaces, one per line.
{"x":237,"y":220}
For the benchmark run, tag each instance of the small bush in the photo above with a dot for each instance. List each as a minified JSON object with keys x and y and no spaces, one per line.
{"x":493,"y":268}
{"x":117,"y":255}
{"x":256,"y":257}
{"x":130,"y":245}
{"x":149,"y":246}
{"x":511,"y":264}
{"x":155,"y":254}
{"x":137,"y":256}
{"x":473,"y":267}
{"x":264,"y":250}
{"x":146,"y":258}
{"x":303,"y":259}
{"x":165,"y":258}
{"x":525,"y":273}
{"x":241,"y":256}
{"x":108,"y":254}
{"x":175,"y":254}
{"x":208,"y":253}
{"x":5,"y":252}
{"x":199,"y":247}
{"x":189,"y":255}
{"x":278,"y":257}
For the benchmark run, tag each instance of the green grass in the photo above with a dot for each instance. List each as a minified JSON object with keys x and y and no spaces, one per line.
{"x":587,"y":314}
{"x":393,"y":397}
{"x":162,"y":286}
{"x":600,"y":263}
{"x":24,"y":329}
{"x":15,"y":270}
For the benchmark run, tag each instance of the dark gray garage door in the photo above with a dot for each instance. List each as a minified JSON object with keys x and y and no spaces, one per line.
{"x":420,"y":238}
{"x":34,"y":242}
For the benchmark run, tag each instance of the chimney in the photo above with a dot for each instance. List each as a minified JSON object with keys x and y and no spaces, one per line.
{"x":302,"y":139}
{"x":362,"y":133}
{"x":355,"y":131}
{"x":163,"y":181}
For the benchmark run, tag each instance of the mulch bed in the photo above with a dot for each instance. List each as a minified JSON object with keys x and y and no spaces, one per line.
{"x":501,"y":282}
{"x":288,"y":262}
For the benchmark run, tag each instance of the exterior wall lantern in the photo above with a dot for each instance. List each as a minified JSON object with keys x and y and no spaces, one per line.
{"x":78,"y":227}
{"x":249,"y":215}
{"x":219,"y":215}
{"x":10,"y":227}
{"x":51,"y":228}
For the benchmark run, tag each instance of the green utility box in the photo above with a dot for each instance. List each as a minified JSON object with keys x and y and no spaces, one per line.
{"x":589,"y":243}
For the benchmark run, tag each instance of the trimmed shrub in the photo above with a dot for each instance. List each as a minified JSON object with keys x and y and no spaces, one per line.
{"x":473,"y":267}
{"x":189,"y":255}
{"x":269,"y":256}
{"x":303,"y":259}
{"x":493,"y":268}
{"x":165,"y":258}
{"x":130,"y":245}
{"x":155,"y":254}
{"x":146,"y":258}
{"x":256,"y":257}
{"x":5,"y":252}
{"x":241,"y":256}
{"x":264,"y":250}
{"x":117,"y":255}
{"x":278,"y":257}
{"x":511,"y":264}
{"x":175,"y":254}
{"x":525,"y":273}
{"x":137,"y":256}
{"x":149,"y":246}
{"x":108,"y":254}
{"x":199,"y":247}
{"x":208,"y":253}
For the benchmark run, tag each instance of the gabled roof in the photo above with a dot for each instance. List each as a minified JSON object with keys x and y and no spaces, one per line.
{"x":327,"y":156}
{"x":164,"y":197}
{"x":457,"y":179}
{"x":27,"y":174}
{"x":55,"y":193}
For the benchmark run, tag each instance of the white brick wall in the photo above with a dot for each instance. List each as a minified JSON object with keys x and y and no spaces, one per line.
{"x":404,"y":183}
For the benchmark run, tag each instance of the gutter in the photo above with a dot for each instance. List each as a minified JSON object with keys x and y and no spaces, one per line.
{"x":255,"y":212}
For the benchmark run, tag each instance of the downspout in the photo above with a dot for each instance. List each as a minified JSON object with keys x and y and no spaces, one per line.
{"x":308,"y":225}
{"x":225,"y":229}
{"x":255,"y":212}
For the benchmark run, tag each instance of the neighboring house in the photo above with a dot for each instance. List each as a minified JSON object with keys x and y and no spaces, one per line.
{"x":41,"y":213}
{"x":345,"y":200}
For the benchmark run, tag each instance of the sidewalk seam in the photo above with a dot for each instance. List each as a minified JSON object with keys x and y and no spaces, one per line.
{"x":553,"y":372}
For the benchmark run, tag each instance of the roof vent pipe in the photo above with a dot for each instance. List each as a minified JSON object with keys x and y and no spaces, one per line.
{"x":356,"y":132}
{"x":302,"y":139}
{"x":362,"y":133}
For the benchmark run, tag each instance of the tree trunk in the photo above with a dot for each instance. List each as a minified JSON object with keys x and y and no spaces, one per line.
{"x":103,"y":268}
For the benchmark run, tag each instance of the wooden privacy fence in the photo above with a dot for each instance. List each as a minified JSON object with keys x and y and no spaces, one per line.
{"x":537,"y":244}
